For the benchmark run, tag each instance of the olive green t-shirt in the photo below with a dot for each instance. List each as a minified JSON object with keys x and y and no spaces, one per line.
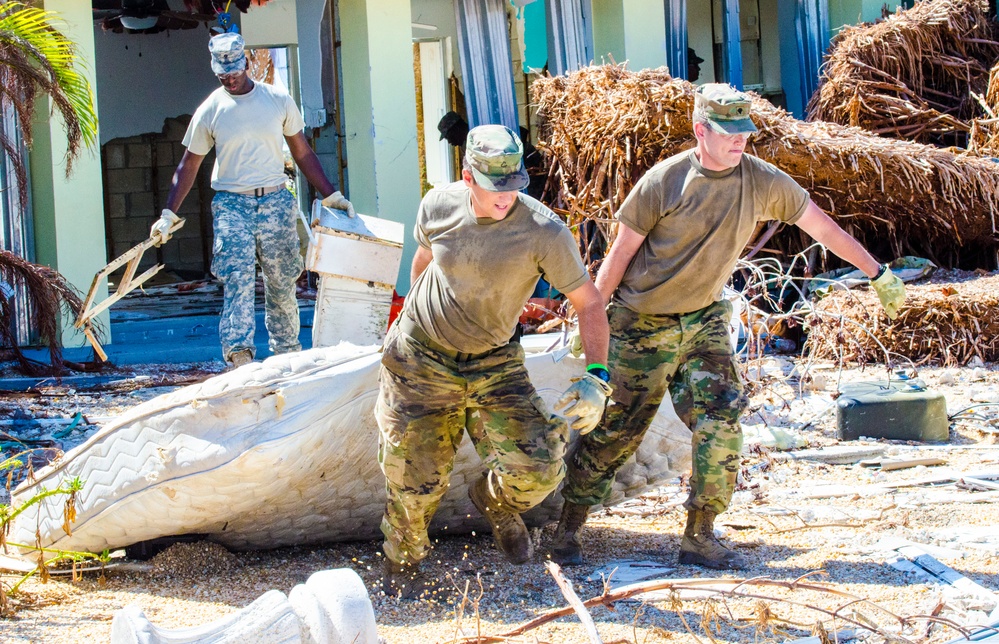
{"x":696,"y":223}
{"x":471,"y":295}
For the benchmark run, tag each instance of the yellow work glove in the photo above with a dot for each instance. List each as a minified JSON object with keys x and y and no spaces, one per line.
{"x":890,"y":290}
{"x":338,"y":201}
{"x":575,"y":343}
{"x":161,"y":229}
{"x":586,"y":399}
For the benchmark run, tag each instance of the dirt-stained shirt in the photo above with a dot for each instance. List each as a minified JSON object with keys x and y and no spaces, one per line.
{"x":696,"y":222}
{"x":483,"y":271}
{"x":248,"y":133}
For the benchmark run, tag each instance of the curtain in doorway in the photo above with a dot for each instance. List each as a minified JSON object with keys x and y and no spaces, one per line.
{"x":484,"y":50}
{"x":16,"y":230}
{"x":676,"y":38}
{"x":568,"y":48}
{"x":811,"y":22}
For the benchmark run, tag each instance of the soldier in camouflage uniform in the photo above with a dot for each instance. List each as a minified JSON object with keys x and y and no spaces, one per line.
{"x":682,"y":229}
{"x":254,"y":214}
{"x":449,"y":364}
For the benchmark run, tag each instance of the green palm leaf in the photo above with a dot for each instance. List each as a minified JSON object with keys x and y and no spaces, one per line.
{"x":35,"y":58}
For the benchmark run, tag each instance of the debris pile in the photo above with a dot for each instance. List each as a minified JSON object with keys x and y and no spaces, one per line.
{"x":602,"y":127}
{"x":984,"y":138}
{"x":911,"y":75}
{"x":948,"y":323}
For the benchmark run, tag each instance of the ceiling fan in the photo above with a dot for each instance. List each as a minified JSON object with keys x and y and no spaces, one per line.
{"x":154,"y":16}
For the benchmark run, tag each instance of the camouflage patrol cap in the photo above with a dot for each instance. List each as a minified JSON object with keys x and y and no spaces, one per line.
{"x":724,"y":108}
{"x":227,"y":53}
{"x":496,"y":157}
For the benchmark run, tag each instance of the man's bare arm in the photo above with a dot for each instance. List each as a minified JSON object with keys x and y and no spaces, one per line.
{"x":617,"y":261}
{"x":183,"y":179}
{"x":593,"y":328}
{"x":307,"y":161}
{"x":827,"y":232}
{"x":421,"y":260}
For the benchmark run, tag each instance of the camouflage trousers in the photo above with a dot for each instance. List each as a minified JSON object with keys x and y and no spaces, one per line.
{"x":251,"y":230}
{"x":691,"y":356}
{"x":426,"y":402}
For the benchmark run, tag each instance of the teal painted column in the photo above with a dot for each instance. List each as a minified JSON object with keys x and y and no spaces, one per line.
{"x":379,"y":91}
{"x":69,"y":212}
{"x":632,"y":30}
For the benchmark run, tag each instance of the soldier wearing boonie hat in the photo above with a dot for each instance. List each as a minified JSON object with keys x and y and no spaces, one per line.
{"x":449,"y":364}
{"x":254,"y":215}
{"x":724,"y":109}
{"x":681,"y":231}
{"x":495,"y":156}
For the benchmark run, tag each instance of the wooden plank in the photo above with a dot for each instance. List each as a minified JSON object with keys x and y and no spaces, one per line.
{"x":107,"y":302}
{"x":134,"y":256}
{"x":89,"y":332}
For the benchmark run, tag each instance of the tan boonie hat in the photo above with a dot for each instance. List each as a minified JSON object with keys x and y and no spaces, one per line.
{"x":724,"y":108}
{"x":227,"y":53}
{"x":496,"y":157}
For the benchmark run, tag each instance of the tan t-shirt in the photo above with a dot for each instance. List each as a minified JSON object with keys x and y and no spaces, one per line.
{"x":470,"y":296}
{"x":248,"y":134}
{"x":696,"y":223}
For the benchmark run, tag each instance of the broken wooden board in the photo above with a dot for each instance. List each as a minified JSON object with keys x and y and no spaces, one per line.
{"x":130,"y":259}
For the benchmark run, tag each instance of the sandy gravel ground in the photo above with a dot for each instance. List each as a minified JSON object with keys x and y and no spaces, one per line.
{"x":790,"y":518}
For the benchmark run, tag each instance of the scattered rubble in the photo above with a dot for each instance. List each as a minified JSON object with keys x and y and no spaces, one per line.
{"x":784,"y":517}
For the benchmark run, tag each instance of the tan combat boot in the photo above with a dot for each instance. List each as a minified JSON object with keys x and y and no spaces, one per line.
{"x":239,"y":358}
{"x":405,"y":581}
{"x":567,"y":550}
{"x":700,"y":546}
{"x":509,"y":531}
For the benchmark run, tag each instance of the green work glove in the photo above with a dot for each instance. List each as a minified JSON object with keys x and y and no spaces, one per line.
{"x":890,"y":290}
{"x":586,"y":399}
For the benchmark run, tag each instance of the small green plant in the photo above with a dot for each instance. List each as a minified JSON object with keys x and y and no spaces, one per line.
{"x":46,"y":557}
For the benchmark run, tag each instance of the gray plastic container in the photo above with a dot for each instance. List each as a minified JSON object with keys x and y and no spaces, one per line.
{"x":901,"y":410}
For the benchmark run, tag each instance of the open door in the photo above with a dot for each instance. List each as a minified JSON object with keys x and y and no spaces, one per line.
{"x":432,"y":87}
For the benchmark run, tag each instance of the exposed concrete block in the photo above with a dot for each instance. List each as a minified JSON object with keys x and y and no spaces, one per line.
{"x":140,"y":204}
{"x":128,"y":180}
{"x":189,"y":252}
{"x":172,"y":253}
{"x":116,"y":206}
{"x":137,"y":229}
{"x":164,"y":155}
{"x":192,"y":226}
{"x":114,"y":154}
{"x":163,"y":181}
{"x":140,"y":155}
{"x":175,"y":128}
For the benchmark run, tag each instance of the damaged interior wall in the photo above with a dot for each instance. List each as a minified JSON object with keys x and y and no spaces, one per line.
{"x":150,"y":85}
{"x":137,"y":174}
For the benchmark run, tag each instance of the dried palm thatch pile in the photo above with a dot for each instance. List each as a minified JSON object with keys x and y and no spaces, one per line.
{"x":943,"y":322}
{"x":910,"y":75}
{"x":984,"y":137}
{"x":602,"y":127}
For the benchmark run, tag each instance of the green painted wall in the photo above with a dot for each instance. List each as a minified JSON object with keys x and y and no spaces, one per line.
{"x":851,"y":12}
{"x":69,"y":212}
{"x":380,"y":114}
{"x":608,"y":31}
{"x":630,"y":30}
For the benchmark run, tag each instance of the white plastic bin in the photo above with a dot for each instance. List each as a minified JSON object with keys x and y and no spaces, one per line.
{"x":358,"y":262}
